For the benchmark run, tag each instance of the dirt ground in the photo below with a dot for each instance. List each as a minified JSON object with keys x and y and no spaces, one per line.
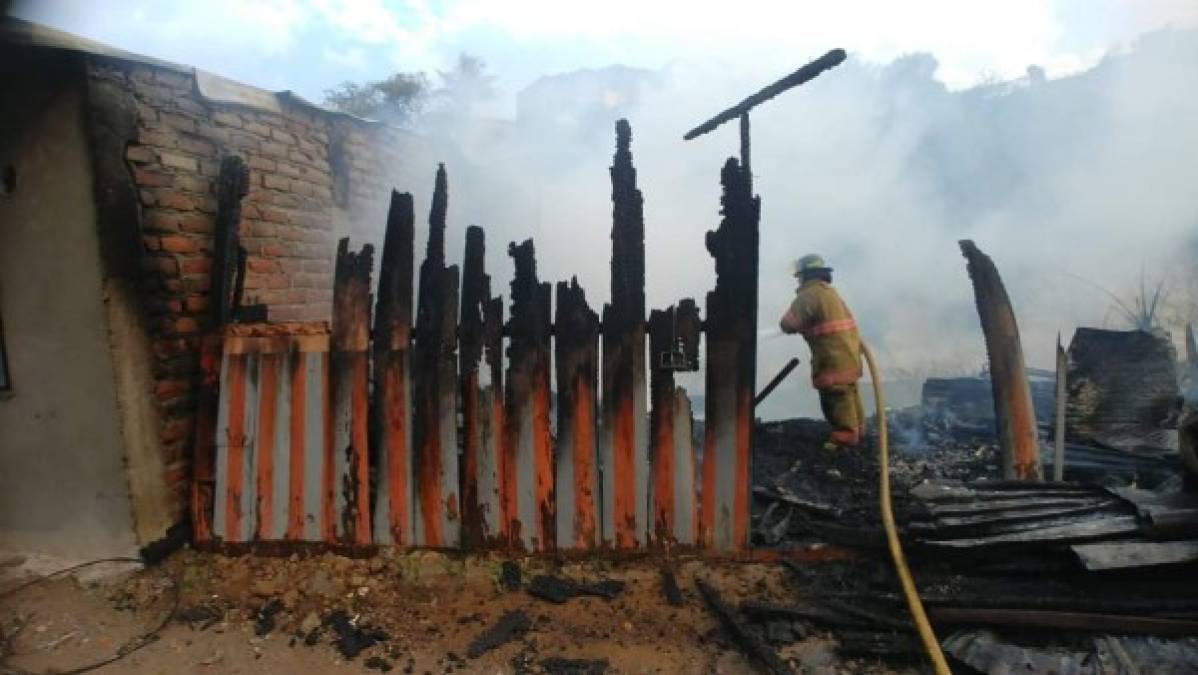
{"x":428,"y":606}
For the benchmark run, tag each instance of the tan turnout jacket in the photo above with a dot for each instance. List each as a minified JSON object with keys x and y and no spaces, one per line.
{"x":826,"y":323}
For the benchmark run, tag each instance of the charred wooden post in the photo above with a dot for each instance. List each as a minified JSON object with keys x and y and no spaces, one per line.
{"x":435,"y":419}
{"x":576,"y":332}
{"x":350,"y":373}
{"x":480,"y":329}
{"x":673,"y":346}
{"x":391,"y":410}
{"x":624,"y":440}
{"x":232,"y":184}
{"x":530,"y":452}
{"x":1013,"y":412}
{"x":731,"y":364}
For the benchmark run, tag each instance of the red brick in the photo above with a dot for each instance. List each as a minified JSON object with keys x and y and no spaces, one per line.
{"x":158,"y":139}
{"x":168,"y":389}
{"x":175,"y":285}
{"x":258,"y":265}
{"x":139,"y":153}
{"x":257,"y":228}
{"x":227,"y":118}
{"x":193,"y":184}
{"x":197,"y":146}
{"x":201,"y":265}
{"x":161,"y":264}
{"x":282,"y":136}
{"x":291,"y":233}
{"x":196,"y":224}
{"x":179,"y":244}
{"x":273,"y":215}
{"x":147,"y":178}
{"x":297,"y":295}
{"x":147,"y":197}
{"x":206,"y":204}
{"x":249,"y":210}
{"x":272,"y":149}
{"x":180,"y":122}
{"x":174,"y":200}
{"x":175,"y":161}
{"x":258,"y":163}
{"x":256,"y":128}
{"x":186,"y":325}
{"x":151,"y":243}
{"x":196,"y":303}
{"x":275,"y":182}
{"x":277,"y":250}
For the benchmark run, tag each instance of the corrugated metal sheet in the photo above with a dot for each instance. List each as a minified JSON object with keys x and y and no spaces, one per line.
{"x":274,"y":461}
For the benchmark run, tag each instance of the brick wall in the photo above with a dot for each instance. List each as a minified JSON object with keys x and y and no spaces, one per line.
{"x":314,"y":176}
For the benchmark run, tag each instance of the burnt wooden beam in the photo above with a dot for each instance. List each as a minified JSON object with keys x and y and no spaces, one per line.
{"x":435,"y":460}
{"x":232,"y":184}
{"x":624,"y":452}
{"x":481,"y":446}
{"x":577,"y":365}
{"x":1100,"y":623}
{"x":1014,"y":415}
{"x":348,"y":360}
{"x":801,"y":76}
{"x":758,"y":653}
{"x":731,"y":364}
{"x":673,"y":345}
{"x":391,"y":409}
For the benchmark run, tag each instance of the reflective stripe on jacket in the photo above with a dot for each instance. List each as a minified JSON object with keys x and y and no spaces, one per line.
{"x":826,"y":323}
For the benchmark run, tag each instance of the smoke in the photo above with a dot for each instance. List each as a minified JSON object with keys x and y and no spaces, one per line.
{"x":880,"y":169}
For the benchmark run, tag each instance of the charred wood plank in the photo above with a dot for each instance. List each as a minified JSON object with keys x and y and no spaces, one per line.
{"x":435,"y":461}
{"x":527,"y":412}
{"x":1101,"y":623}
{"x":1135,"y":554}
{"x":801,"y":76}
{"x":731,"y":365}
{"x":576,"y":332}
{"x":1117,"y":526}
{"x":391,"y":409}
{"x":350,"y":340}
{"x":759,"y":654}
{"x":492,"y":436}
{"x":1014,"y":415}
{"x":509,"y":627}
{"x":624,"y":440}
{"x":669,"y":587}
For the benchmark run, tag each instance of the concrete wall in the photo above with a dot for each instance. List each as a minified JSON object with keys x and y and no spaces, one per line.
{"x":63,"y":487}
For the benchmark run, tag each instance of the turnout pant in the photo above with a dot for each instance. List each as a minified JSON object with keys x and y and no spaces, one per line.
{"x":841,"y":405}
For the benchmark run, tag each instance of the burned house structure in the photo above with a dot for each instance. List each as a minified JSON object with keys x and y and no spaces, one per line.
{"x":111,"y":163}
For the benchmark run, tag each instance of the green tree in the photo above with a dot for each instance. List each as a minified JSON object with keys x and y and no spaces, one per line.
{"x":398,"y":99}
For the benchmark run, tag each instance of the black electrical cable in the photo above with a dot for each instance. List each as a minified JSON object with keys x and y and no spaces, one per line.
{"x":125,"y":650}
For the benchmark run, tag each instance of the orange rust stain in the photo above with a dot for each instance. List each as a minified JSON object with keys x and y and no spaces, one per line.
{"x":430,"y":478}
{"x":267,"y":416}
{"x":663,"y":467}
{"x":623,"y":441}
{"x":295,"y":479}
{"x":740,"y":495}
{"x":328,"y":479}
{"x":235,"y":454}
{"x":451,"y":506}
{"x":396,"y":401}
{"x":584,"y":462}
{"x":359,"y":435}
{"x":203,"y":470}
{"x":542,"y":457}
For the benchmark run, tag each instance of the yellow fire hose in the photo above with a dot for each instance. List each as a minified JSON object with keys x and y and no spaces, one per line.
{"x":926,"y":636}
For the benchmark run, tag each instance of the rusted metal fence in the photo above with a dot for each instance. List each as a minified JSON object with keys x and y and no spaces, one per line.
{"x":405,"y":430}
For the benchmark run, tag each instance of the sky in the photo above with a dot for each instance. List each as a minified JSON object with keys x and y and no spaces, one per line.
{"x":930,"y":132}
{"x":310,"y":45}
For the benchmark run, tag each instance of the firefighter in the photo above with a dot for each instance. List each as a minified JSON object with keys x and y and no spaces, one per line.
{"x":827,"y":325}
